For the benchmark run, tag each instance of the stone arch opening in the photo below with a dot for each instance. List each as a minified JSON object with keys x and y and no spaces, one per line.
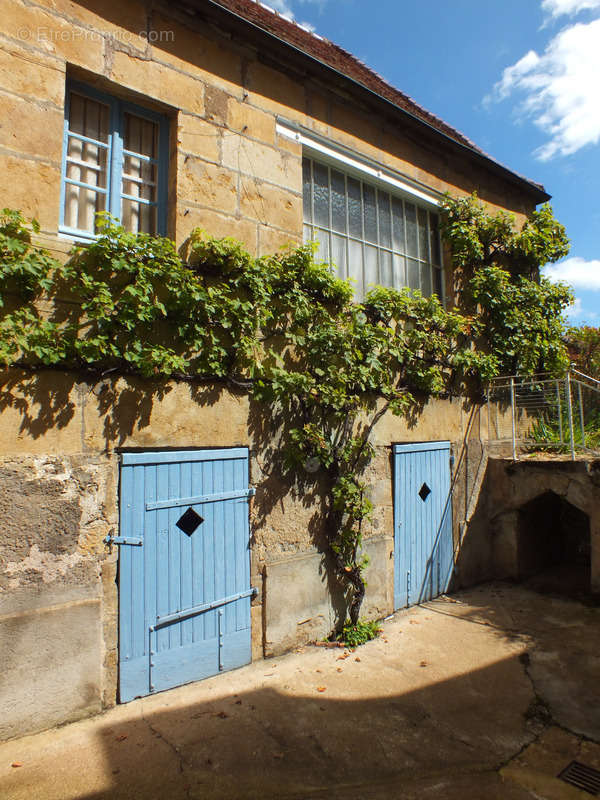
{"x":554,"y":546}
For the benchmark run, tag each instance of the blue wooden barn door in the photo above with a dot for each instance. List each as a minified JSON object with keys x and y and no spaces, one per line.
{"x":184,"y":568}
{"x":423,"y":548}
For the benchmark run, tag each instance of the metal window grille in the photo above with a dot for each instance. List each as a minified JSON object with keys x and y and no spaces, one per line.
{"x":370,"y":235}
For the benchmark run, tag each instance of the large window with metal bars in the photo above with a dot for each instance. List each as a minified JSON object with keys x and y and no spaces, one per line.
{"x":115,"y":160}
{"x":370,"y":235}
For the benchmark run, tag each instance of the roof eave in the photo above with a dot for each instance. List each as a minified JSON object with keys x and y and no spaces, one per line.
{"x":213,"y":9}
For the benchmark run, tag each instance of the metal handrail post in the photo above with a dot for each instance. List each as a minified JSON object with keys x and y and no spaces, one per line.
{"x":560,"y":425}
{"x":581,"y":419}
{"x":570,"y":414}
{"x":513,"y":412}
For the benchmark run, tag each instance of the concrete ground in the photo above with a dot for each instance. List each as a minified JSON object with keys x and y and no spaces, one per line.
{"x":486,"y":694}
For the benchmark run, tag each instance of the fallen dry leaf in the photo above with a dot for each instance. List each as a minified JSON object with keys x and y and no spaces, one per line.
{"x":17,"y":764}
{"x":341,"y":658}
{"x":121,"y":737}
{"x":321,"y":688}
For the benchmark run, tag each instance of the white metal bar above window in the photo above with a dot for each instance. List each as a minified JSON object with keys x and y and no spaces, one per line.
{"x":315,"y":146}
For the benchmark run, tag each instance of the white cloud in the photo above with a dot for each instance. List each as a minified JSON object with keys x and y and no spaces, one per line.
{"x":575,"y":310}
{"x":578,"y":315}
{"x":282,"y":6}
{"x":560,"y":87}
{"x":577,"y":272}
{"x":558,"y":7}
{"x":285,"y":8}
{"x":513,"y":75}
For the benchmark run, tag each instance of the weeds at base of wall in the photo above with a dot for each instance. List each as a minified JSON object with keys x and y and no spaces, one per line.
{"x":361,"y":633}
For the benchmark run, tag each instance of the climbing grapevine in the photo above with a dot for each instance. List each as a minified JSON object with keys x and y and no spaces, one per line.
{"x":288,"y":332}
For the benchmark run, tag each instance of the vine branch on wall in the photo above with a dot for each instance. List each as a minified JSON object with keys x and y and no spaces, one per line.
{"x":286,"y":331}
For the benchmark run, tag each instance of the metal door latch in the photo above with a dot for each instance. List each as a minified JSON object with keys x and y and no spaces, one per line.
{"x":110,"y":540}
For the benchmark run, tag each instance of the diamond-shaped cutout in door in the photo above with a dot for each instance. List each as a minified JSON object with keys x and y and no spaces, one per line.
{"x":424,"y":492}
{"x":189,"y":521}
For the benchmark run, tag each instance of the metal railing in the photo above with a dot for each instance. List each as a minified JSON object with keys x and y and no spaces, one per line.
{"x":561,"y":415}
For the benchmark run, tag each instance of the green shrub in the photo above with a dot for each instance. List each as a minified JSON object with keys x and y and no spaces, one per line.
{"x":361,"y":633}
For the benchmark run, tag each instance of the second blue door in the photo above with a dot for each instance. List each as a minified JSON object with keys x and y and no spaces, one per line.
{"x":423,"y":547}
{"x":184,"y":568}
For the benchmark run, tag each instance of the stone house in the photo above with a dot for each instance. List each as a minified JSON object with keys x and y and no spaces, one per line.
{"x":226,"y":116}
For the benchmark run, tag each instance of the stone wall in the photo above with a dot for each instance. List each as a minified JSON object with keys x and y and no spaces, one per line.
{"x":58,"y":612}
{"x":59,"y":475}
{"x":490,"y":544}
{"x":231,"y":174}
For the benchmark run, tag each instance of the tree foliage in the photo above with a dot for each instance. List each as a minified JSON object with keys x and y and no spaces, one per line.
{"x":284,"y":329}
{"x":583,"y":346}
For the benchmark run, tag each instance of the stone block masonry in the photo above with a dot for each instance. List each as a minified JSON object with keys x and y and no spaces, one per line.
{"x":231,"y":174}
{"x":57,"y":659}
{"x":59,"y":478}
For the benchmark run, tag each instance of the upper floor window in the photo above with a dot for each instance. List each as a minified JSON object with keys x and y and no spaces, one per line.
{"x":372,"y":236}
{"x":114,"y":159}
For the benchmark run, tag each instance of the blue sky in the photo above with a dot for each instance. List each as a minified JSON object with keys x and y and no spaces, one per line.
{"x":521,"y":78}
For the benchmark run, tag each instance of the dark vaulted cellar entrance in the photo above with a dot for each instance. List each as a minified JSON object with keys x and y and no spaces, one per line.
{"x":554,"y":549}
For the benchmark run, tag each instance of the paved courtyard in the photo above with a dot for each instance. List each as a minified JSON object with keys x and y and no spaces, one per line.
{"x":488,"y":694}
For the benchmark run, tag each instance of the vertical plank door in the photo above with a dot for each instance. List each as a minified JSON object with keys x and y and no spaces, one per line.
{"x":184,"y":568}
{"x":423,"y":548}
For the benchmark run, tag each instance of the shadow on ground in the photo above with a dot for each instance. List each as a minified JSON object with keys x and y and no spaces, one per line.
{"x":443,"y":705}
{"x":267,"y":744}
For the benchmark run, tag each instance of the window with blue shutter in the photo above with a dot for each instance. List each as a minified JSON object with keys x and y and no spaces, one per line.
{"x":115,"y":158}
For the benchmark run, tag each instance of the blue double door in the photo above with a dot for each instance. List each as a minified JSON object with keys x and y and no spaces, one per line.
{"x":423,"y":546}
{"x":184,"y":568}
